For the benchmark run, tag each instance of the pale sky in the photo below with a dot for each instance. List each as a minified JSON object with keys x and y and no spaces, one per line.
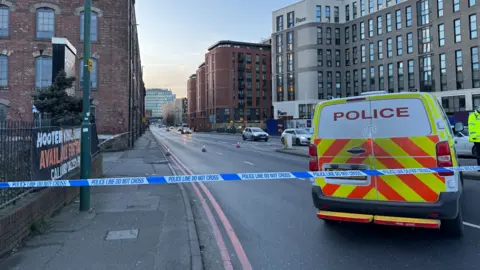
{"x":175,"y":34}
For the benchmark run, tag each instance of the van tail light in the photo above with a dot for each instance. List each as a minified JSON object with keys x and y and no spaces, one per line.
{"x":444,"y":157}
{"x":313,"y":162}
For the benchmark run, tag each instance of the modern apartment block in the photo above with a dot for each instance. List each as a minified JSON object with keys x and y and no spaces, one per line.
{"x":330,"y":49}
{"x":156,"y":98}
{"x":175,"y":112}
{"x":26,"y":31}
{"x":233,"y":85}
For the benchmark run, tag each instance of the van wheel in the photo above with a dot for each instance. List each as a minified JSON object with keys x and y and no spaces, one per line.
{"x":243,"y":136}
{"x":453,"y":227}
{"x":283,"y":141}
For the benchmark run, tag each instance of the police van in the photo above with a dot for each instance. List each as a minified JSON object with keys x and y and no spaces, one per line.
{"x":386,"y":131}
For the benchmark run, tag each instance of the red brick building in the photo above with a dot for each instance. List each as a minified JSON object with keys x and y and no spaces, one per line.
{"x":26,"y":29}
{"x":192,"y":98}
{"x":233,"y":86}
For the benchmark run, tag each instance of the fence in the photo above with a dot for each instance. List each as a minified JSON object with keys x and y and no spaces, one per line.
{"x":23,"y":158}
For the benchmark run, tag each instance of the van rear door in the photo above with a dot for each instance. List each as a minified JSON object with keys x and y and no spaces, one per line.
{"x":403,"y":138}
{"x":344,"y":142}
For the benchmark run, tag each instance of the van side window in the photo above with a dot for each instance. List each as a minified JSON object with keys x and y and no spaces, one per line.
{"x":445,"y":119}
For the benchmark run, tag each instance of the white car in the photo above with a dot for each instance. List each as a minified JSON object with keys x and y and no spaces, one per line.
{"x":300,"y":136}
{"x":255,"y":134}
{"x":462,"y":146}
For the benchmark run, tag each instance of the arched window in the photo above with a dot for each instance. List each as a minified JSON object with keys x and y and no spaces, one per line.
{"x":4,"y":20}
{"x":93,"y":26}
{"x":43,"y":71}
{"x":45,"y":23}
{"x":93,"y":74}
{"x":3,"y":70}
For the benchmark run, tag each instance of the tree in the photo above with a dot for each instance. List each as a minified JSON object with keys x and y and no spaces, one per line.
{"x":64,"y":109}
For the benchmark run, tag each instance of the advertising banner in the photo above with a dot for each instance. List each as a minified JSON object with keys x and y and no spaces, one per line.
{"x":56,"y":151}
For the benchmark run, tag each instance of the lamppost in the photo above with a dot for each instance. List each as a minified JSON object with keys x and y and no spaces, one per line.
{"x":85,"y":153}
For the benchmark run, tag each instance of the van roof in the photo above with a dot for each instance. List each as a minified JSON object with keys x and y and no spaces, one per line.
{"x":372,"y":94}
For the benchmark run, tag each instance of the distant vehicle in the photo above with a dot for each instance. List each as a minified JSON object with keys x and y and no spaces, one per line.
{"x":300,"y":136}
{"x":309,"y":130}
{"x":462,"y":145}
{"x":255,"y":134}
{"x":186,"y":130}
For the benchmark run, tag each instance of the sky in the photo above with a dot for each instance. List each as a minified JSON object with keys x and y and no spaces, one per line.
{"x":175,"y":34}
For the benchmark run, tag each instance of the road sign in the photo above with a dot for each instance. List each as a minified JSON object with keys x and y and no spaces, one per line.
{"x":90,"y":65}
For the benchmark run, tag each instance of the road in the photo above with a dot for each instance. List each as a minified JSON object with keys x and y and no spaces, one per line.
{"x":272,"y":224}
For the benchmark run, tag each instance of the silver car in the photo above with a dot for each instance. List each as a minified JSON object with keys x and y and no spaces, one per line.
{"x":254,"y":133}
{"x":300,"y":136}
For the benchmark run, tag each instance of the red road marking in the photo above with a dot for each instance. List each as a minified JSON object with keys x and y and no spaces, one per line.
{"x":242,"y":256}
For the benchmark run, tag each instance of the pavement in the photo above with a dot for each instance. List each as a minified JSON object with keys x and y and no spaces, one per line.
{"x":129,"y":227}
{"x":272,"y":224}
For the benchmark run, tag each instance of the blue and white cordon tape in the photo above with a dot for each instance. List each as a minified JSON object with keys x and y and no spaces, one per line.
{"x":158,"y":180}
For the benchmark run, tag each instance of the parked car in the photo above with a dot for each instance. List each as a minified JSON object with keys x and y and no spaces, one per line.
{"x":255,"y":134}
{"x":462,"y":145}
{"x":186,"y":130}
{"x":309,"y":130}
{"x":300,"y":136}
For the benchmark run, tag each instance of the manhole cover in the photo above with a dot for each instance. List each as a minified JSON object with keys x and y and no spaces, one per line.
{"x":120,"y":235}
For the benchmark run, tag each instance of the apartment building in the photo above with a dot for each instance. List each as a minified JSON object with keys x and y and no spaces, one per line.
{"x":232,"y":85}
{"x":156,"y":98}
{"x":338,"y":48}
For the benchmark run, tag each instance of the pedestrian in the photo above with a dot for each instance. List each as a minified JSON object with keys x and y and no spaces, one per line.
{"x":474,"y":131}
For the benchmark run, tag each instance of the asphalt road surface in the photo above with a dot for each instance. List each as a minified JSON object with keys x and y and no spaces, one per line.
{"x":272,"y":224}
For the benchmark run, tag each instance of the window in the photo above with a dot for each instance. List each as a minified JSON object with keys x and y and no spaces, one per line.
{"x":443,"y":72}
{"x":279,"y":23}
{"x":424,"y":40}
{"x":3,"y":112}
{"x":279,"y":88}
{"x":337,"y":36}
{"x":279,"y":43}
{"x":372,"y":78}
{"x":329,"y":84}
{"x":441,"y":35}
{"x":380,"y":49}
{"x":354,"y":33}
{"x":456,"y":5}
{"x":411,"y":74}
{"x":290,"y":19}
{"x":319,"y":35}
{"x":347,"y":57}
{"x":93,"y":26}
{"x":347,"y":13}
{"x":363,"y":9}
{"x":409,"y":43}
{"x":291,"y":86}
{"x":336,"y":14}
{"x":43,"y":71}
{"x":355,"y":55}
{"x":348,"y":87}
{"x":364,"y":79}
{"x":3,"y":71}
{"x":362,"y":30}
{"x":400,"y":80}
{"x":423,"y":12}
{"x":473,"y":26}
{"x":338,"y":82}
{"x":347,"y":35}
{"x":45,"y":23}
{"x":458,"y":30}
{"x":372,"y":52}
{"x":320,"y":58}
{"x":399,"y":46}
{"x":439,"y":8}
{"x":355,"y":9}
{"x":355,"y":82}
{"x":472,"y":3}
{"x":379,"y":4}
{"x":363,"y":53}
{"x":398,"y":19}
{"x":289,"y":41}
{"x":408,"y":14}
{"x":93,"y":74}
{"x":318,"y":13}
{"x":459,"y":68}
{"x":389,"y":3}
{"x":4,"y":20}
{"x":390,"y":78}
{"x":338,"y":58}
{"x":370,"y":6}
{"x":289,"y":62}
{"x":329,"y":36}
{"x":475,"y":67}
{"x":453,"y":103}
{"x":320,"y":85}
{"x":389,"y":22}
{"x":329,"y":58}
{"x":327,"y":13}
{"x":370,"y":28}
{"x":389,"y":48}
{"x":381,"y":78}
{"x":379,"y":25}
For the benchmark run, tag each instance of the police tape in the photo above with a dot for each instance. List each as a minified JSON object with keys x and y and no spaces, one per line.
{"x":156,"y":180}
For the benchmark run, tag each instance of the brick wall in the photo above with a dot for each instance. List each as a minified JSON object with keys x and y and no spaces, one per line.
{"x":16,"y":220}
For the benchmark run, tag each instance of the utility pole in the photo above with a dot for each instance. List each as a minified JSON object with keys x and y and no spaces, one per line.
{"x":85,"y":154}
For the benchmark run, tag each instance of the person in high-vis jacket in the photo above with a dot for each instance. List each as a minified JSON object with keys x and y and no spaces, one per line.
{"x":474,"y":131}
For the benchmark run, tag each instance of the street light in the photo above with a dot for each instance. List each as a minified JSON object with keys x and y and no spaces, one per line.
{"x":85,"y":153}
